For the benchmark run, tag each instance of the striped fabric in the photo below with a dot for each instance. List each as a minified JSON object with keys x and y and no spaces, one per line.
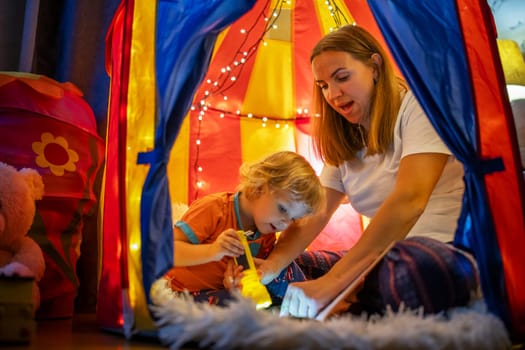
{"x":420,"y":272}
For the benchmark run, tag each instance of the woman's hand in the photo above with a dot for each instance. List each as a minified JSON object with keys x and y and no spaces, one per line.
{"x":227,"y":244}
{"x":266,"y":270}
{"x":306,"y":299}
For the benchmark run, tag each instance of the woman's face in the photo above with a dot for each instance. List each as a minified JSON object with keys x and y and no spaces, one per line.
{"x":347,"y":84}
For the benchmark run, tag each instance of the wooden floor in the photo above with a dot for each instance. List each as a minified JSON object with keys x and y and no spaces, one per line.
{"x":80,"y":333}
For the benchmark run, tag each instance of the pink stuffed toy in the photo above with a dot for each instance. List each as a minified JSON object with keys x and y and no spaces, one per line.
{"x":19,"y":254}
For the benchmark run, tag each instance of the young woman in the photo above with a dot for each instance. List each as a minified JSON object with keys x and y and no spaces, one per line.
{"x":382,"y":153}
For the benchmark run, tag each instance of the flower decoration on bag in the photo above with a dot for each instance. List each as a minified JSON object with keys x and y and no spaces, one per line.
{"x":54,"y":153}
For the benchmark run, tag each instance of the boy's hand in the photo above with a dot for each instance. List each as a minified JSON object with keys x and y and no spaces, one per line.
{"x":232,"y":275}
{"x":227,"y":244}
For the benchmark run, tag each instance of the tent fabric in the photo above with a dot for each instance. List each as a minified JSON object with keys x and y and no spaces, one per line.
{"x":274,"y":81}
{"x":439,"y":75}
{"x":186,"y":34}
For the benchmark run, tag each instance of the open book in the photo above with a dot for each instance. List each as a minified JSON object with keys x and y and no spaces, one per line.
{"x":352,"y":288}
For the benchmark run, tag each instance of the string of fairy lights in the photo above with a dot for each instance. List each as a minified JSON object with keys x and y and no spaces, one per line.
{"x":230,"y":73}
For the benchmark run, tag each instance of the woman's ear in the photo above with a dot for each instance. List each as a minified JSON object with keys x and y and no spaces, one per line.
{"x":377,"y":60}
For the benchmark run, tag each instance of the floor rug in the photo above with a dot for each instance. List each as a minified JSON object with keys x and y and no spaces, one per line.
{"x":181,"y":321}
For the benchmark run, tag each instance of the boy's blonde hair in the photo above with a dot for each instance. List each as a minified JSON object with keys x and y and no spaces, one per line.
{"x":283,"y":171}
{"x":337,"y":140}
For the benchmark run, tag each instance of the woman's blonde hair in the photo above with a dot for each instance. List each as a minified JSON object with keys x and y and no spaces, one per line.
{"x":337,"y":140}
{"x":283,"y":171}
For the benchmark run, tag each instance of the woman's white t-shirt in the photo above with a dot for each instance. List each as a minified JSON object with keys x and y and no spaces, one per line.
{"x":367,"y":183}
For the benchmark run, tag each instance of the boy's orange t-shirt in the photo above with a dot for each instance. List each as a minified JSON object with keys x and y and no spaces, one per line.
{"x":202,"y":223}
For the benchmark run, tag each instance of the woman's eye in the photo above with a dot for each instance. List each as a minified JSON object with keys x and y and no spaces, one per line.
{"x":342,"y":77}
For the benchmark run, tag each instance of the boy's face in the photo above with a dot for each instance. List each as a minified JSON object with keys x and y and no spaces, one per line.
{"x":274,"y":211}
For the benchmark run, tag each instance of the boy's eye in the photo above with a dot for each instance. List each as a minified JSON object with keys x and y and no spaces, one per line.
{"x":282,"y":209}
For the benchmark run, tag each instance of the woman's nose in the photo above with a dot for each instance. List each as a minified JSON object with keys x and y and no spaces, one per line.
{"x":332,"y":91}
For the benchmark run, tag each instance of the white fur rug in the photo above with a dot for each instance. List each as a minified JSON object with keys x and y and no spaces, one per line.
{"x":181,"y":321}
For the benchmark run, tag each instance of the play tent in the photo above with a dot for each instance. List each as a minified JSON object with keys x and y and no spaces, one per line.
{"x":165,"y":106}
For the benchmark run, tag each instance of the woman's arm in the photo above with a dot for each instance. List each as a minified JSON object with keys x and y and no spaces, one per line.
{"x":416,"y":179}
{"x":188,"y":254}
{"x":294,"y":240}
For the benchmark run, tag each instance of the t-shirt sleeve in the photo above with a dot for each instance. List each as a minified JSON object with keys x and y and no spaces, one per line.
{"x":417,"y":133}
{"x":331,"y":177}
{"x":199,"y":222}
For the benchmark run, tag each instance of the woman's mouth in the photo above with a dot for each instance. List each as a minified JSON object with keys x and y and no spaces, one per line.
{"x":346,"y":108}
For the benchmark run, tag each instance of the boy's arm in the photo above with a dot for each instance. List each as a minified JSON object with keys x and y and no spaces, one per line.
{"x":188,"y":254}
